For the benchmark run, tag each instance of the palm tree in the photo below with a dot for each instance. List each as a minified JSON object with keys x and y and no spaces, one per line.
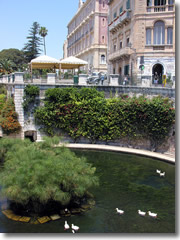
{"x":43,"y":33}
{"x":6,"y":66}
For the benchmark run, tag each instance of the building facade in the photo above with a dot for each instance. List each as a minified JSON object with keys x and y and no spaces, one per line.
{"x":65,"y":49}
{"x":142,"y":40}
{"x":87,"y":34}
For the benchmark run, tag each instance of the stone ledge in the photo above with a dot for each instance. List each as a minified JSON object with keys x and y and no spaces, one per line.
{"x":146,"y":153}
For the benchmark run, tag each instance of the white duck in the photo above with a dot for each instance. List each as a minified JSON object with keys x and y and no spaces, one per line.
{"x":162,"y":174}
{"x":141,"y":213}
{"x":158,"y":171}
{"x":75,"y":228}
{"x":154,"y":215}
{"x":119,"y":211}
{"x":66,"y":226}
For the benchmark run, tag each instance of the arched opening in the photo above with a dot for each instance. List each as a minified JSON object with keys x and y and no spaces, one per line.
{"x":103,"y":59}
{"x":159,"y":33}
{"x":157,"y":71}
{"x":32,"y":135}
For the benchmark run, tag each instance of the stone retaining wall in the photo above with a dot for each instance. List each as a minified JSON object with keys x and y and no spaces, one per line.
{"x":16,"y":90}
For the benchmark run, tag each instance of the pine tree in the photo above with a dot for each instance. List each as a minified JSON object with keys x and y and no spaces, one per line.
{"x":32,"y":47}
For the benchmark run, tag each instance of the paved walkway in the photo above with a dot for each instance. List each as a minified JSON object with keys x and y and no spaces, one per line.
{"x":145,"y":153}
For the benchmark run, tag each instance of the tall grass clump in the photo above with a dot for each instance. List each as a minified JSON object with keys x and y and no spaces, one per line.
{"x":35,"y":174}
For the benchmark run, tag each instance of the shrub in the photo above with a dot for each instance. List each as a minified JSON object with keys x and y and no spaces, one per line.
{"x":9,"y":119}
{"x":39,"y":173}
{"x":87,"y":113}
{"x":2,"y":101}
{"x":30,"y":94}
{"x":3,"y":89}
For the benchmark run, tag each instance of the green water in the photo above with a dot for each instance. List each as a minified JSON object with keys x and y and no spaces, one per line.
{"x":128,"y":182}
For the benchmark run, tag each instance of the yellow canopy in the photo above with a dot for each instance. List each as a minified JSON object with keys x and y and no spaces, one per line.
{"x":45,"y":62}
{"x":72,"y":63}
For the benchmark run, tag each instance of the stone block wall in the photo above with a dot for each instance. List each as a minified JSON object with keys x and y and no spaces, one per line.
{"x":27,"y":123}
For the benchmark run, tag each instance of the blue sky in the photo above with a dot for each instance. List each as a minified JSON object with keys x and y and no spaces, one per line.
{"x":17,"y":17}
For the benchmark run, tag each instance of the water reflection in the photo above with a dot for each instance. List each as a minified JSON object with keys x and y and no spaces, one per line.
{"x":126,"y":181}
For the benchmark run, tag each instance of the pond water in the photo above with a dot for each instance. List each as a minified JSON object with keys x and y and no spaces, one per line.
{"x":128,"y":182}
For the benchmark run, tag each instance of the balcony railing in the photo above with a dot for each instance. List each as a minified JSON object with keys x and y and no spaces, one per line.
{"x":120,"y":20}
{"x":120,"y":53}
{"x":163,"y":8}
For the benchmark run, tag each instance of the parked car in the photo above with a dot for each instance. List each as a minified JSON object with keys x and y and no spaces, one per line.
{"x":93,"y":78}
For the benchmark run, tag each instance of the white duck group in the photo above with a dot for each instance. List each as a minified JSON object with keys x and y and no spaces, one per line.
{"x":161,"y":174}
{"x":74,"y":228}
{"x":141,"y":213}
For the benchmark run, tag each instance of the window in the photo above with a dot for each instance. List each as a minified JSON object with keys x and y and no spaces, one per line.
{"x":103,"y":39}
{"x":159,"y":2}
{"x":103,"y":4}
{"x":127,"y":42}
{"x":114,"y":71}
{"x":170,"y":2}
{"x":126,"y":70}
{"x":169,"y":35}
{"x":159,"y":33}
{"x":149,"y":3}
{"x":103,"y":22}
{"x":121,"y":10}
{"x":114,"y":47}
{"x":103,"y":59}
{"x":128,"y":4}
{"x":120,"y":45}
{"x":148,"y":36}
{"x":115,"y":15}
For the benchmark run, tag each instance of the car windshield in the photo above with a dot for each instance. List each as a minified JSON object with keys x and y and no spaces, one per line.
{"x":94,"y":74}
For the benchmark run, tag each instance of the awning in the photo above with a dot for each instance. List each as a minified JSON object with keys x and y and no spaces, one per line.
{"x":45,"y":62}
{"x":72,"y":63}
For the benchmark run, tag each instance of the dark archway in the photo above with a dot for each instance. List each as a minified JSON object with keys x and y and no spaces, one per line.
{"x":32,"y":135}
{"x":159,"y":69}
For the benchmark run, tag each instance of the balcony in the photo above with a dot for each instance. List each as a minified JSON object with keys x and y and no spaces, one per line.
{"x":120,"y":53}
{"x":162,"y":8}
{"x":123,"y":18}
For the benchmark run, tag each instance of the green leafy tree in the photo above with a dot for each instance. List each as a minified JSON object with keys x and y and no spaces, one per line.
{"x":32,"y":47}
{"x":16,"y":56}
{"x":43,"y":33}
{"x":38,"y":173}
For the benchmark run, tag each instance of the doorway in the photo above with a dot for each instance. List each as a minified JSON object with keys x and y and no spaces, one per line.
{"x":31,"y":135}
{"x":158,"y":70}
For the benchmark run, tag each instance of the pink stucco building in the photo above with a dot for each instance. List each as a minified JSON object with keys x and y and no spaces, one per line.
{"x":87,"y":34}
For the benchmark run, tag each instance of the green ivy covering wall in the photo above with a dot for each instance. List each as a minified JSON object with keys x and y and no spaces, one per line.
{"x":86,"y":113}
